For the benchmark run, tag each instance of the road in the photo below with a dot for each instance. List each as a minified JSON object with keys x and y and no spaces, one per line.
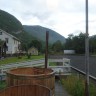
{"x":79,"y":62}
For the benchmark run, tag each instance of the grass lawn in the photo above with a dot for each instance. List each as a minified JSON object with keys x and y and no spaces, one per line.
{"x":16,"y":59}
{"x":52,"y":64}
{"x":55,"y":64}
{"x":2,"y":84}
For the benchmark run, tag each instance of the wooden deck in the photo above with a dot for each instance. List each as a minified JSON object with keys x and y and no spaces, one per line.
{"x":59,"y":89}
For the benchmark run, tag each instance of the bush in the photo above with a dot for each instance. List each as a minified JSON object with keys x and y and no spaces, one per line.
{"x":19,"y":57}
{"x":29,"y":56}
{"x":76,"y":87}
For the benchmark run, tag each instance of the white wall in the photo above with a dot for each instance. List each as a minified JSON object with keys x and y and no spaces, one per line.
{"x":15,"y":46}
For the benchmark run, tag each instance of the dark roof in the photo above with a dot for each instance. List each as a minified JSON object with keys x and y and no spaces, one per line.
{"x":33,"y":47}
{"x":9,"y":35}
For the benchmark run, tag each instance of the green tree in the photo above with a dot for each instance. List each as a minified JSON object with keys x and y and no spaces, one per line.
{"x":57,"y":46}
{"x":79,"y":43}
{"x":68,"y":44}
{"x":37,"y":44}
{"x":92,"y":44}
{"x":24,"y":46}
{"x":76,"y":43}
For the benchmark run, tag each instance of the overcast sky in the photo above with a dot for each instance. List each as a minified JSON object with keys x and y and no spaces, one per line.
{"x":63,"y":16}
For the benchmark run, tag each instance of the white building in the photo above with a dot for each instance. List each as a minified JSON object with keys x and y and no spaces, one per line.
{"x":69,"y":51}
{"x":11,"y":41}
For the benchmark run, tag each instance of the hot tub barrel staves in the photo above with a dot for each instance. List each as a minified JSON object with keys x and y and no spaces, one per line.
{"x":26,"y":90}
{"x":29,"y":75}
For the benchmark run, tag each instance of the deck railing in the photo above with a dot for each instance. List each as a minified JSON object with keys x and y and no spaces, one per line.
{"x":83,"y":73}
{"x":60,"y":66}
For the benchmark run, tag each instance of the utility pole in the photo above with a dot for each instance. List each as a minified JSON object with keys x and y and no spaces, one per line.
{"x":87,"y":53}
{"x":46,"y":50}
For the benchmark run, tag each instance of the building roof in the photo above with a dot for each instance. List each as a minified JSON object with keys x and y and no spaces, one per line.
{"x":9,"y":35}
{"x":33,"y":47}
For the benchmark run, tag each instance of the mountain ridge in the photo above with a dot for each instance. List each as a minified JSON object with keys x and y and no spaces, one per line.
{"x":12,"y":25}
{"x":40,"y":32}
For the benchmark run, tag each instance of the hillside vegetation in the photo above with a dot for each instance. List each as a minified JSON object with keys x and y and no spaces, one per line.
{"x":12,"y":25}
{"x":9,"y":23}
{"x":40,"y":33}
{"x":25,"y":33}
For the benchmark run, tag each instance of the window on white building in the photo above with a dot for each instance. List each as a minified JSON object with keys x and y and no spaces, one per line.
{"x":0,"y":33}
{"x":7,"y":48}
{"x":16,"y":49}
{"x":6,"y":39}
{"x":14,"y":41}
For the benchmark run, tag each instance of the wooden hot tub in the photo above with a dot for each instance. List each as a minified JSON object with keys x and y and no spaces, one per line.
{"x":29,"y":75}
{"x":26,"y":90}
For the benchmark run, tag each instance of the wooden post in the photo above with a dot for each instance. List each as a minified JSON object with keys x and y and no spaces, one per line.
{"x":46,"y":50}
{"x":4,"y":47}
{"x":0,"y":52}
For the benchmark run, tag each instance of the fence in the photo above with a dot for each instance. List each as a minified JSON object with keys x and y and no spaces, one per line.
{"x":60,"y":66}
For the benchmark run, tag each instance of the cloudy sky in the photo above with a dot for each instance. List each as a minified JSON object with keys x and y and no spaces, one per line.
{"x":63,"y":16}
